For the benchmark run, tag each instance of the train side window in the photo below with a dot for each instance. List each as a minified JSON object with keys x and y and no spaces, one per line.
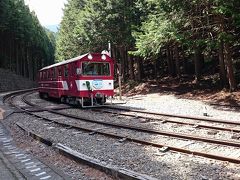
{"x":65,"y":71}
{"x":70,"y":70}
{"x":54,"y":72}
{"x":59,"y":71}
{"x":40,"y":76}
{"x":51,"y":73}
{"x":78,"y":71}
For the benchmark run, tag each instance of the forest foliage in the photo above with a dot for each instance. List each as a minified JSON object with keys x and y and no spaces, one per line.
{"x":172,"y":37}
{"x":25,"y":46}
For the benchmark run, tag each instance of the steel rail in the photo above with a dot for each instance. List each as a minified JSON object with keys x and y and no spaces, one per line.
{"x":176,"y":149}
{"x":146,"y":130}
{"x":113,"y":171}
{"x":172,"y":148}
{"x":179,"y":116}
{"x":14,"y":93}
{"x":171,"y":121}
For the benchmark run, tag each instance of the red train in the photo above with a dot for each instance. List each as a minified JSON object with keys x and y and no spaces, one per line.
{"x":83,"y":80}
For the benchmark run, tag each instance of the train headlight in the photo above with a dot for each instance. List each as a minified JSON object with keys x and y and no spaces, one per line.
{"x":90,"y":57}
{"x":104,"y":57}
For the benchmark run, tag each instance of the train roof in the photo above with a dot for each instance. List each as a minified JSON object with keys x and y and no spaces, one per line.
{"x":68,"y":61}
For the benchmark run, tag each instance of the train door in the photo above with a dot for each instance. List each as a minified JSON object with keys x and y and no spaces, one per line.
{"x":72,"y":78}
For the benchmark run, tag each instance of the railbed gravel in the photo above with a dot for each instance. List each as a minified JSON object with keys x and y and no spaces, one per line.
{"x":173,"y":105}
{"x":49,"y":156}
{"x":147,"y":159}
{"x":156,"y":125}
{"x":143,"y":159}
{"x":171,"y":127}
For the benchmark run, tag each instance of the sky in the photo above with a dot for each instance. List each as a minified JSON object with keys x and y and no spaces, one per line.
{"x":49,"y":12}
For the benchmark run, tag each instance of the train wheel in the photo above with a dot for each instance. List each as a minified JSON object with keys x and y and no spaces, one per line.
{"x":67,"y":100}
{"x":41,"y":95}
{"x":63,"y":100}
{"x":45,"y":96}
{"x":101,"y":101}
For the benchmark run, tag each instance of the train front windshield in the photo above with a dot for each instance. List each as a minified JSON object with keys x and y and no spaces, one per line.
{"x":96,"y":68}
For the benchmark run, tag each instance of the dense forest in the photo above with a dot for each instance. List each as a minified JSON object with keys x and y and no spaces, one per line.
{"x":25,"y":46}
{"x":156,"y":38}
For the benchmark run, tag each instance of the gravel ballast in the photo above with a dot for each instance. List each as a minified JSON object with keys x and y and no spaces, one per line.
{"x":143,"y":159}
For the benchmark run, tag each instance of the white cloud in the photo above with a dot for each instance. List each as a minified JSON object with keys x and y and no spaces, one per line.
{"x":49,"y":12}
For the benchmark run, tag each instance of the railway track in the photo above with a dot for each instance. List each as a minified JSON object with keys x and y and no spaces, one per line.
{"x":119,"y":173}
{"x":111,"y":125}
{"x":21,"y":160}
{"x":206,"y":119}
{"x":46,"y":115}
{"x":142,"y":114}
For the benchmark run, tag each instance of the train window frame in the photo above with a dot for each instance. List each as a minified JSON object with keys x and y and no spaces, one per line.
{"x":66,"y":71}
{"x":78,"y":71}
{"x":88,"y":62}
{"x":48,"y":74}
{"x":51,"y":73}
{"x":59,"y":71}
{"x":40,"y":75}
{"x":70,"y":70}
{"x":54,"y":72}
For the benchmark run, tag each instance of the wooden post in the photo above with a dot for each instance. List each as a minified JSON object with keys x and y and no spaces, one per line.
{"x":119,"y":80}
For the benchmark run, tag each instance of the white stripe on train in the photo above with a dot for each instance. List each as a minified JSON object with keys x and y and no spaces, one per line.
{"x":81,"y":85}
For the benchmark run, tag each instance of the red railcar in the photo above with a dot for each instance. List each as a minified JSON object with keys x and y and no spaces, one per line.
{"x":86,"y":79}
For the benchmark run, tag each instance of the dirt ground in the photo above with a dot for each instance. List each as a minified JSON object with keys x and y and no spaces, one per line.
{"x":184,"y":88}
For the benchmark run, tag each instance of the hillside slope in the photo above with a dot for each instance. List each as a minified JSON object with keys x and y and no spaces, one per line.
{"x":10,"y":81}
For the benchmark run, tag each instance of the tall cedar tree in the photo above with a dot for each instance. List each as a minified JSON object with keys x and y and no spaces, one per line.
{"x":25,"y":46}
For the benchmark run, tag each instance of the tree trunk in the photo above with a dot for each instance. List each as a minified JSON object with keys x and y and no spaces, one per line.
{"x":177,"y":63}
{"x":131,"y":67}
{"x":156,"y":68}
{"x":139,"y":69}
{"x":229,"y":63}
{"x":184,"y":64}
{"x":24,"y":61}
{"x":122,"y":54}
{"x":169,"y":62}
{"x":197,"y":64}
{"x":30,"y":65}
{"x":17,"y":60}
{"x":222,"y":72}
{"x":126,"y":67}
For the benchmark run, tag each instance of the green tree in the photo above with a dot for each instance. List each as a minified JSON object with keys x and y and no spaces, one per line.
{"x":25,"y":46}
